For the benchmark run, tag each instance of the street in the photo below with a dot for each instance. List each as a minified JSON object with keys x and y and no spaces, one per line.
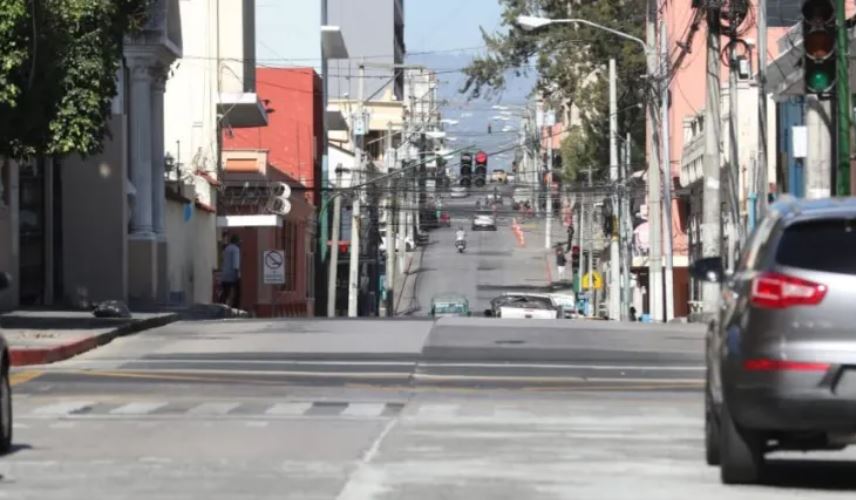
{"x":474,"y":408}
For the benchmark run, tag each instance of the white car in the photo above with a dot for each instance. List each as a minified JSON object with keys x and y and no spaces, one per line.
{"x":484,"y":221}
{"x":459,"y":192}
{"x":519,"y":312}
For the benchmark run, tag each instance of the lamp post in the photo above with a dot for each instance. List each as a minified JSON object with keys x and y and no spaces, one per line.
{"x":654,"y":187}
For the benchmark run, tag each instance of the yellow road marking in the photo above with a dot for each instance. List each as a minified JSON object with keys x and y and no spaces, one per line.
{"x":20,"y":377}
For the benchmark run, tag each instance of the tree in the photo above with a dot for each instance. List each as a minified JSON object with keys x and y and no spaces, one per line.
{"x":58,"y":72}
{"x":571,"y":64}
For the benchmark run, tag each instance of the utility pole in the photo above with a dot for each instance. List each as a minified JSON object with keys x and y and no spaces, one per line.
{"x":592,"y":289}
{"x":665,"y":155}
{"x":614,"y":255}
{"x":626,"y":234}
{"x":758,"y":191}
{"x":842,"y":88}
{"x":391,"y":236}
{"x":548,"y":177}
{"x":711,"y":229}
{"x":582,"y":226}
{"x":354,"y":274}
{"x":655,"y":259}
{"x":733,"y":179}
{"x":332,"y":274}
{"x":818,"y":171}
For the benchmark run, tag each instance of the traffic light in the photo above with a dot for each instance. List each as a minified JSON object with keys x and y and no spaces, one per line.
{"x":818,"y":29}
{"x":481,"y":169}
{"x":466,"y":169}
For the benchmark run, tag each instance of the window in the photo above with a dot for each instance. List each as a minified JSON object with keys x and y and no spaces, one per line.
{"x":820,"y":245}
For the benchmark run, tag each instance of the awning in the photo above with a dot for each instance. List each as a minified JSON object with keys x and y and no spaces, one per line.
{"x":242,"y":110}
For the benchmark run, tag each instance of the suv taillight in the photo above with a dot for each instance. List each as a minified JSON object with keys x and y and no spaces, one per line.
{"x":778,"y":291}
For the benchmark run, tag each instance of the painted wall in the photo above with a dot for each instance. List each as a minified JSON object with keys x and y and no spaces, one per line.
{"x":9,"y":249}
{"x":291,"y":137}
{"x":192,"y":256}
{"x":95,"y":219}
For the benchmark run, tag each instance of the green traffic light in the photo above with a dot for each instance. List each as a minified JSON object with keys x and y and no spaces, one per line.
{"x":819,"y":81}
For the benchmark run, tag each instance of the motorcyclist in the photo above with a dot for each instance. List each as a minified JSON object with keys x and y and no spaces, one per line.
{"x":460,"y":236}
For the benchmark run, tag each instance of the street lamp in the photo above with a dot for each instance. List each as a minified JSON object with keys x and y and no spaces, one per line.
{"x":530,"y":23}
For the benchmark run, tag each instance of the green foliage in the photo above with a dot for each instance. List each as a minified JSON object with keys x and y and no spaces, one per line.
{"x":571,"y":62}
{"x":58,"y":72}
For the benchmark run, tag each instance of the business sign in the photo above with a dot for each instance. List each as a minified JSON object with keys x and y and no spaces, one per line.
{"x":273,"y":267}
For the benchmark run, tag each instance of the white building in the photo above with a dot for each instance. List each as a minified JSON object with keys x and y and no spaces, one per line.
{"x":215,"y":80}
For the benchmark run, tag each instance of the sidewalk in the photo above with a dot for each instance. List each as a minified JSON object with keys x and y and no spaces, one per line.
{"x":40,"y":337}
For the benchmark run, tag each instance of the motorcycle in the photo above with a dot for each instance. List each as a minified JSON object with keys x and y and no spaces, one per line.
{"x":460,"y":245}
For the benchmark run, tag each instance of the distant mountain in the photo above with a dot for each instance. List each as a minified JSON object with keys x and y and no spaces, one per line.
{"x":475,"y":115}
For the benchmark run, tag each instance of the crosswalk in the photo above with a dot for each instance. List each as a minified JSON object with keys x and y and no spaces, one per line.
{"x":69,"y":409}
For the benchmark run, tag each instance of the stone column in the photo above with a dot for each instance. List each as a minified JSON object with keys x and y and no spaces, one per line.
{"x":157,"y":122}
{"x":141,"y":145}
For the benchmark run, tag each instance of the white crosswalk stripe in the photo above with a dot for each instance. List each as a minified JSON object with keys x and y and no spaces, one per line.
{"x":289,"y":409}
{"x":64,"y":408}
{"x":138,"y":408}
{"x":364,"y":410}
{"x":437,"y":410}
{"x":217,"y":408}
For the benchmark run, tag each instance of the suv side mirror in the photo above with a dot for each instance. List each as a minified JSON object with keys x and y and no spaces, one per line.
{"x":5,"y":280}
{"x":708,"y":269}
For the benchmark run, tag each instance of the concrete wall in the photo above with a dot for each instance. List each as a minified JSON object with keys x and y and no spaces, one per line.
{"x":192,"y":253}
{"x":95,"y":221}
{"x":9,"y":249}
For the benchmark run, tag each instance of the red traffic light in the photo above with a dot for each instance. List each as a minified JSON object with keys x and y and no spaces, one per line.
{"x":481,"y":157}
{"x":819,"y":45}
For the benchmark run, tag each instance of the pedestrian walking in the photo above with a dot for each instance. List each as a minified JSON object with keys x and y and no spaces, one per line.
{"x":561,"y":260}
{"x":230,"y":273}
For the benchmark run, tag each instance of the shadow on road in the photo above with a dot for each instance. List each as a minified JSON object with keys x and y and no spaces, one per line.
{"x":15,"y":448}
{"x":811,"y":474}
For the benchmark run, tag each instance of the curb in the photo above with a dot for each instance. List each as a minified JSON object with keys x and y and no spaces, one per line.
{"x":44,"y":355}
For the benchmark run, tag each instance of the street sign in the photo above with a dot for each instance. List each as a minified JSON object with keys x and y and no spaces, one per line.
{"x":273,"y":267}
{"x":587,"y":281}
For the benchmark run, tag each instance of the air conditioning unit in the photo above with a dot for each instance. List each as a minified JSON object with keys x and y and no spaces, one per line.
{"x":279,"y":206}
{"x":280,"y":190}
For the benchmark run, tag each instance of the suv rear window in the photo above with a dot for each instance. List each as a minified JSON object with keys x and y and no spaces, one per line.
{"x":820,"y":245}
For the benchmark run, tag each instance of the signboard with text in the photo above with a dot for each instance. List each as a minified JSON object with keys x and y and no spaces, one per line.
{"x":273,"y":267}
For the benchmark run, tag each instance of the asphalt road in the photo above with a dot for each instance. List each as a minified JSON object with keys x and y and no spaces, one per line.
{"x":343,"y":410}
{"x":494,"y":261}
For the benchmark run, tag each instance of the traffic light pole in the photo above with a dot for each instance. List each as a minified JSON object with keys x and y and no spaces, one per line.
{"x":842,"y":87}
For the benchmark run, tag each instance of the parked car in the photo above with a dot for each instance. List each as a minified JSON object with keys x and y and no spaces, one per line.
{"x":529,"y":306}
{"x":781,"y":351}
{"x":459,"y":192}
{"x":484,"y":221}
{"x":498,"y":176}
{"x":450,"y":304}
{"x":5,"y":386}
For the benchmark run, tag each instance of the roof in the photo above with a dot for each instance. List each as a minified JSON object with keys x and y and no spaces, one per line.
{"x":814,"y":207}
{"x":449,"y":297}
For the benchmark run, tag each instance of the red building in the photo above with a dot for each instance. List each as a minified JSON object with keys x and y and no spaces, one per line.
{"x":292,"y":138}
{"x":286,"y":151}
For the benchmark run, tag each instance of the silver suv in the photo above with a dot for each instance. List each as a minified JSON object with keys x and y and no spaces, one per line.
{"x":781,"y":353}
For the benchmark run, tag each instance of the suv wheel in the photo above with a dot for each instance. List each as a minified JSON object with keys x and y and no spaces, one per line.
{"x":741,"y":451}
{"x":5,"y":413}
